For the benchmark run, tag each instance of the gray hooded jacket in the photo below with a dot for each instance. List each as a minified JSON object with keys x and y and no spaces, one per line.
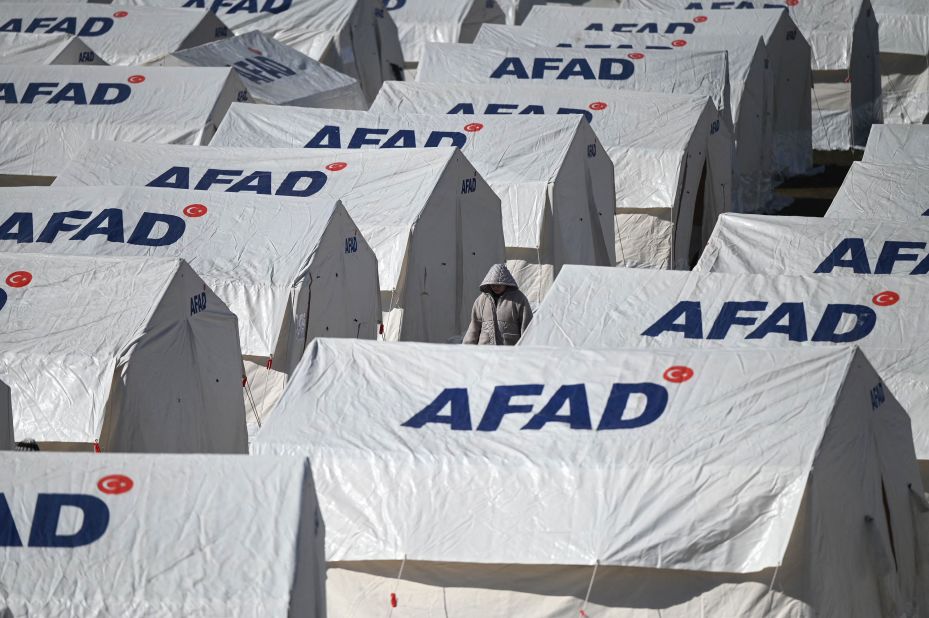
{"x":498,"y":320}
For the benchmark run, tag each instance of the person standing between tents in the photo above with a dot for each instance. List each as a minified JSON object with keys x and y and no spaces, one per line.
{"x":501,"y":313}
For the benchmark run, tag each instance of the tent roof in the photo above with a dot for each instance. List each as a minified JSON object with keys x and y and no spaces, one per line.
{"x":127,"y":36}
{"x":507,"y":151}
{"x":384,"y":191}
{"x":425,"y":21}
{"x":618,"y":117}
{"x":175,"y":541}
{"x":898,"y":143}
{"x":247,"y":55}
{"x":802,"y":245}
{"x":612,"y":308}
{"x":308,"y":15}
{"x":497,"y":495}
{"x":826,"y":26}
{"x":41,"y":136}
{"x":742,"y":48}
{"x":250,"y":250}
{"x":6,"y":418}
{"x":883,"y":192}
{"x":25,"y":48}
{"x":664,"y":16}
{"x":703,"y":73}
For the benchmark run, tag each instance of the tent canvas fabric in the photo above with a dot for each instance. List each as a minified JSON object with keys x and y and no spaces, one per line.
{"x":134,"y":36}
{"x":42,"y":132}
{"x":804,"y":245}
{"x":160,"y":535}
{"x":451,"y":21}
{"x":355,"y":37}
{"x":904,"y":55}
{"x":751,"y":91}
{"x":843,"y":41}
{"x":281,"y":265}
{"x":529,"y":497}
{"x":6,"y":418}
{"x":23,"y":48}
{"x":898,"y":144}
{"x":110,"y":349}
{"x":554,"y":179}
{"x":671,"y":158}
{"x":700,"y":73}
{"x":433,"y":243}
{"x":639,"y":308}
{"x":786,"y":47}
{"x":275,"y":73}
{"x":882,"y":192}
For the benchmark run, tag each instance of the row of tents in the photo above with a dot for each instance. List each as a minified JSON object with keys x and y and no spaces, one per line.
{"x":661,"y":441}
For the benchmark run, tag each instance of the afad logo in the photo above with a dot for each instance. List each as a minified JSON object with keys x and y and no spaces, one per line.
{"x":14,"y":280}
{"x":629,"y":405}
{"x":739,"y":4}
{"x":758,"y":319}
{"x":673,"y":27}
{"x":605,"y":69}
{"x":150,"y":229}
{"x":393,"y":5}
{"x":44,"y":530}
{"x":330,"y":136}
{"x":231,"y":7}
{"x":297,"y":183}
{"x":851,"y":255}
{"x":261,"y":69}
{"x":672,"y":45}
{"x":76,"y":93}
{"x":90,"y":27}
{"x":470,"y":108}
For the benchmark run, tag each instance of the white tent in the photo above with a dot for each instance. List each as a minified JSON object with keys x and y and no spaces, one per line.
{"x":671,"y":156}
{"x":750,"y":86}
{"x":787,"y":50}
{"x":804,"y":245}
{"x":23,"y":48}
{"x":6,"y":418}
{"x":554,"y":179}
{"x":537,"y":510}
{"x":132,"y":36}
{"x":451,"y":21}
{"x":356,"y":37}
{"x":49,"y":112}
{"x":904,"y":45}
{"x":701,"y":73}
{"x":275,"y":73}
{"x":882,"y":192}
{"x":160,"y":535}
{"x":636,"y":308}
{"x":433,"y":222}
{"x":846,"y":68}
{"x":898,"y":145}
{"x":282,"y":265}
{"x":137,"y":353}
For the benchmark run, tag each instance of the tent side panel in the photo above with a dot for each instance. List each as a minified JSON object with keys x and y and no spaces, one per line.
{"x":180,"y":387}
{"x":344,"y":293}
{"x":849,"y":533}
{"x":308,"y":596}
{"x":6,"y":418}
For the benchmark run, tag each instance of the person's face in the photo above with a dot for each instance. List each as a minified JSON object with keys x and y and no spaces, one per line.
{"x":498,"y":289}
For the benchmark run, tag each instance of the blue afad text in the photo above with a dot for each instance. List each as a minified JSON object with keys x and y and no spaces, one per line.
{"x":568,"y":405}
